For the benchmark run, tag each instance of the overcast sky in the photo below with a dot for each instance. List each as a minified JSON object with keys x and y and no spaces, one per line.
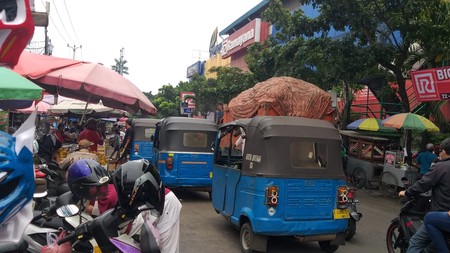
{"x":161,"y":38}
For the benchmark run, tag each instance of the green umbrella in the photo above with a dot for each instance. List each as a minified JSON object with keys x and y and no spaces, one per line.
{"x":16,"y":87}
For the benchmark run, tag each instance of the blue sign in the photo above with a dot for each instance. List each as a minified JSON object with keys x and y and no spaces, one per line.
{"x":187,"y":110}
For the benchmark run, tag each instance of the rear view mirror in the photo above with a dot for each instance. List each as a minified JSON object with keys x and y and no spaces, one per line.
{"x":67,"y":211}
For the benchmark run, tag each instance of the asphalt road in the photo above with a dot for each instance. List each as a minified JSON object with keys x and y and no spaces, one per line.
{"x":203,"y":230}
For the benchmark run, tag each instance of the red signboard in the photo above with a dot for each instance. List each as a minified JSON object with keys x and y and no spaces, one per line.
{"x":254,"y":31}
{"x":432,"y":84}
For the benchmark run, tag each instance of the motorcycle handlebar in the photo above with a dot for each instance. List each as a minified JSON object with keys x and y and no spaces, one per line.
{"x":71,"y":236}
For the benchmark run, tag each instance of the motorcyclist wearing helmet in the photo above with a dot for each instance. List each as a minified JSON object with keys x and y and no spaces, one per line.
{"x":424,"y":159}
{"x":143,"y":178}
{"x":438,"y":181}
{"x":88,"y":180}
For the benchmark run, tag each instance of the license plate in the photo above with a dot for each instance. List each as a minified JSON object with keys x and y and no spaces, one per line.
{"x":341,"y":214}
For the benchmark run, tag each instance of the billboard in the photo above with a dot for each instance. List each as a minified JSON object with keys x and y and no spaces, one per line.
{"x":431,"y":84}
{"x":187,"y":105}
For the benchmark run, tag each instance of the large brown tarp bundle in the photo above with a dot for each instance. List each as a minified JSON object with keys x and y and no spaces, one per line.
{"x":288,"y":96}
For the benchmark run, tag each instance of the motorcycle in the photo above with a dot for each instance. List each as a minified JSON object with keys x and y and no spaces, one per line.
{"x":47,"y":220}
{"x":410,"y":218}
{"x":354,"y":215}
{"x":104,"y":229}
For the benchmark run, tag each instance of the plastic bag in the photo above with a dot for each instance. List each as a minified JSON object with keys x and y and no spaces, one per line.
{"x":52,"y":244}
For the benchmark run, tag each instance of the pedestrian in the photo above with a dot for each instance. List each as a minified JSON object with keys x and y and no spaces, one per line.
{"x":127,"y":141}
{"x":425,"y":158}
{"x":48,"y":145}
{"x":437,"y":179}
{"x":116,"y":144}
{"x":91,"y":134}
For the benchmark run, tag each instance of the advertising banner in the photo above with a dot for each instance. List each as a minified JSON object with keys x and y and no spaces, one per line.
{"x":432,"y":84}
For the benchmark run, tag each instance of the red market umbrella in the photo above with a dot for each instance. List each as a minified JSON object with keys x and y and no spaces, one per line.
{"x":37,"y":65}
{"x":93,"y":82}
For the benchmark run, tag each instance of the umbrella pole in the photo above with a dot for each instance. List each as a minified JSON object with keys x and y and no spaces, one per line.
{"x":85,"y":108}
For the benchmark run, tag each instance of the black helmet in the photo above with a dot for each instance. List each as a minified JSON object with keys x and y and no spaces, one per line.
{"x":138,"y":183}
{"x":84,"y":175}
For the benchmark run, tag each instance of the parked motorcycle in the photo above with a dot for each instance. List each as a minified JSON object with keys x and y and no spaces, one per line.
{"x":354,"y":215}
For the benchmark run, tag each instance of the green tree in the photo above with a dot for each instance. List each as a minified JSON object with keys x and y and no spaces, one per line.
{"x":395,"y":34}
{"x":167,"y":101}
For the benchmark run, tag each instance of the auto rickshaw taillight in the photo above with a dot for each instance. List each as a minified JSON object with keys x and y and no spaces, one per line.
{"x":342,"y":197}
{"x":169,"y":163}
{"x":351,"y":193}
{"x":272,"y":195}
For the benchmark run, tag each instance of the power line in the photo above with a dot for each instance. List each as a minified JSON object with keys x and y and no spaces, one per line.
{"x":70,"y":20}
{"x":62,"y":23}
{"x":54,"y":24}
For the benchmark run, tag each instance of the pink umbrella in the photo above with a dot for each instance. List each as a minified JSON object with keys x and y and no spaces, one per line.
{"x":93,"y":82}
{"x":37,"y":65}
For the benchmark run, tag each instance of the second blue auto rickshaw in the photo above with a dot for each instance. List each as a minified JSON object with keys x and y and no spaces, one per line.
{"x":286,"y":181}
{"x":144,"y":133}
{"x":184,"y":152}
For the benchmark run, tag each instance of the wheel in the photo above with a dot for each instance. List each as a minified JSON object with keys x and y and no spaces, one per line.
{"x":388,"y":183}
{"x":327,"y":247}
{"x":359,"y":178}
{"x":246,"y":237}
{"x":395,"y":241}
{"x":351,"y":229}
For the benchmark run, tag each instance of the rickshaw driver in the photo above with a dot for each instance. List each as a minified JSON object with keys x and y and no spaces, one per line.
{"x":240,"y":142}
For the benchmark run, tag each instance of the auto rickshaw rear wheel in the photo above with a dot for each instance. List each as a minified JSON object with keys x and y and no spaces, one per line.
{"x":327,"y":247}
{"x":246,"y":237}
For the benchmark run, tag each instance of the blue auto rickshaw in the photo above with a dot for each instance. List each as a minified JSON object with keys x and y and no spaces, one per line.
{"x":144,"y":133}
{"x":184,"y":152}
{"x":286,"y":181}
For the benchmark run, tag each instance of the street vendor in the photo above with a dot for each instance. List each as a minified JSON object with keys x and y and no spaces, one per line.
{"x":91,"y":134}
{"x":82,"y":153}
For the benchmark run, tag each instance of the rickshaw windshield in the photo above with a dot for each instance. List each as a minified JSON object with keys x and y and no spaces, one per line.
{"x":308,"y":155}
{"x":144,"y":133}
{"x":195,"y":140}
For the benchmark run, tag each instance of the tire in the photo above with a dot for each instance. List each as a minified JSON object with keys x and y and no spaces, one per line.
{"x":395,"y":241}
{"x":246,"y":237}
{"x":327,"y":247}
{"x":351,"y":229}
{"x":388,"y":183}
{"x":359,"y":178}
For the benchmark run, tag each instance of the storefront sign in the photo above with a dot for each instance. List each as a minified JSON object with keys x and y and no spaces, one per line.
{"x":242,"y":38}
{"x":195,"y":68}
{"x":215,"y":50}
{"x":431,"y":84}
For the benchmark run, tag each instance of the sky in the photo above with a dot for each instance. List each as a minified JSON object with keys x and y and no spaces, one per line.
{"x":160,"y":38}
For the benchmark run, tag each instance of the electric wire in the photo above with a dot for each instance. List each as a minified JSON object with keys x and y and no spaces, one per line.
{"x":54,"y":24}
{"x":71,"y":23}
{"x":62,"y":23}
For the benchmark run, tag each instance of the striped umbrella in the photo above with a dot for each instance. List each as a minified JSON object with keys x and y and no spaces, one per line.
{"x":368,"y":124}
{"x":410,"y":121}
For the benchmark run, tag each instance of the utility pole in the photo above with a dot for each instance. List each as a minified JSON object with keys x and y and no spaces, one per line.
{"x":74,"y":48}
{"x":122,"y":52}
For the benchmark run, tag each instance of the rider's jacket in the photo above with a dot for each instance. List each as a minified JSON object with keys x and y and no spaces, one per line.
{"x":438,"y":181}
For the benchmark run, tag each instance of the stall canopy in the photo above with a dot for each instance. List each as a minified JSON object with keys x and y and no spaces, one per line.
{"x":34,"y":66}
{"x":17,"y":92}
{"x":79,"y":107}
{"x":93,"y":82}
